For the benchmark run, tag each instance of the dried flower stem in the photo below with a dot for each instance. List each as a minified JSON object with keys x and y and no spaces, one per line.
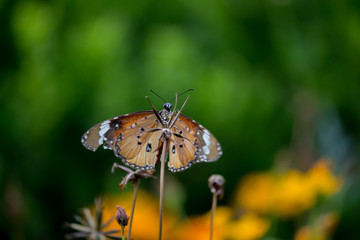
{"x":214,"y":202}
{"x":162,"y":176}
{"x":136,"y":187}
{"x":123,"y":231}
{"x":216,"y":185}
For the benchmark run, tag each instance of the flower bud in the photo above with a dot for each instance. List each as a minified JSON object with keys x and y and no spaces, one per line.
{"x":121,"y":216}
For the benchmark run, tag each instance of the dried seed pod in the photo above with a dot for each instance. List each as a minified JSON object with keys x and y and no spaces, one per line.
{"x":216,"y":184}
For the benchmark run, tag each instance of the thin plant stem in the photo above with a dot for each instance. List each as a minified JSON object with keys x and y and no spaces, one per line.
{"x":214,"y":202}
{"x":136,"y":187}
{"x":123,"y":230}
{"x":162,"y":176}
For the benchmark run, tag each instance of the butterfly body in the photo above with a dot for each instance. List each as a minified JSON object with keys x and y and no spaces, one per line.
{"x":138,"y":138}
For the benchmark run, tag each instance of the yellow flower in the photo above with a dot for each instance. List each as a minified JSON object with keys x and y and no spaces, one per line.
{"x":198,"y":228}
{"x":146,"y":215}
{"x":285,"y":195}
{"x":256,"y":192}
{"x":248,"y":227}
{"x":323,"y":179}
{"x":294,"y":193}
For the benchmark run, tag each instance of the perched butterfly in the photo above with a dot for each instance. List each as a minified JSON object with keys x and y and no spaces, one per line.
{"x":137,"y":138}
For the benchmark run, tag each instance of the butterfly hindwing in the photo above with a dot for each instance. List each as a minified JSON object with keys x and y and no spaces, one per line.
{"x":137,"y":146}
{"x":148,"y":152}
{"x":182,"y":153}
{"x":194,"y":143}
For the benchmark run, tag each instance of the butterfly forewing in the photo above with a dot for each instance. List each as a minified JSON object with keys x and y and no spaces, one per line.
{"x":210,"y":149}
{"x":101,"y":132}
{"x":127,"y":135}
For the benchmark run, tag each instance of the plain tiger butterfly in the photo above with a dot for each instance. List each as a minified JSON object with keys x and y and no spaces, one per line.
{"x":137,"y":138}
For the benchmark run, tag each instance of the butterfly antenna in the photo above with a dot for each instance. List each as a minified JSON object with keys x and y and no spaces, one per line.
{"x":191,"y":89}
{"x":178,"y":114}
{"x":150,"y":90}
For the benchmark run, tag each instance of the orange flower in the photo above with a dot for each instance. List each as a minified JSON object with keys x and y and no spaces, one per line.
{"x":288,"y":194}
{"x":248,"y":227}
{"x":256,"y":192}
{"x":198,"y":228}
{"x":323,"y":179}
{"x":294,"y":194}
{"x":146,"y":215}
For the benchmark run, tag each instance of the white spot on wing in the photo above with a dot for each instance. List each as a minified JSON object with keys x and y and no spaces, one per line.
{"x":104,"y":124}
{"x":101,"y":140}
{"x":206,"y":137}
{"x":104,"y":127}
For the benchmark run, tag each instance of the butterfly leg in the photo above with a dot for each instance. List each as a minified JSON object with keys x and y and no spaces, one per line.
{"x":178,"y":114}
{"x":173,"y":113}
{"x":155,"y":111}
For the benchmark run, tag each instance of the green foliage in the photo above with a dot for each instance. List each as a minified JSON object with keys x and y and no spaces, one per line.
{"x":66,"y":65}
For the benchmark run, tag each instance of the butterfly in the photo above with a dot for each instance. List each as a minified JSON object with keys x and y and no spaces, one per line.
{"x":137,"y":138}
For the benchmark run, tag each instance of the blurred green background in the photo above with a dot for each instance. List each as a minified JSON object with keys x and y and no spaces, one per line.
{"x":271,"y":78}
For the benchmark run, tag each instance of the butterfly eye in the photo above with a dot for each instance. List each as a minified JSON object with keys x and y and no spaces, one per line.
{"x":167,"y":106}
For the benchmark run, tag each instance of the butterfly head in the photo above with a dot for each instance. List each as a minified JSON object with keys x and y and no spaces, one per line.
{"x":167,"y":107}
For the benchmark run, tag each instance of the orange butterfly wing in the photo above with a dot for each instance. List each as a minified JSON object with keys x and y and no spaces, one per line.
{"x":197,"y":145}
{"x":127,"y":135}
